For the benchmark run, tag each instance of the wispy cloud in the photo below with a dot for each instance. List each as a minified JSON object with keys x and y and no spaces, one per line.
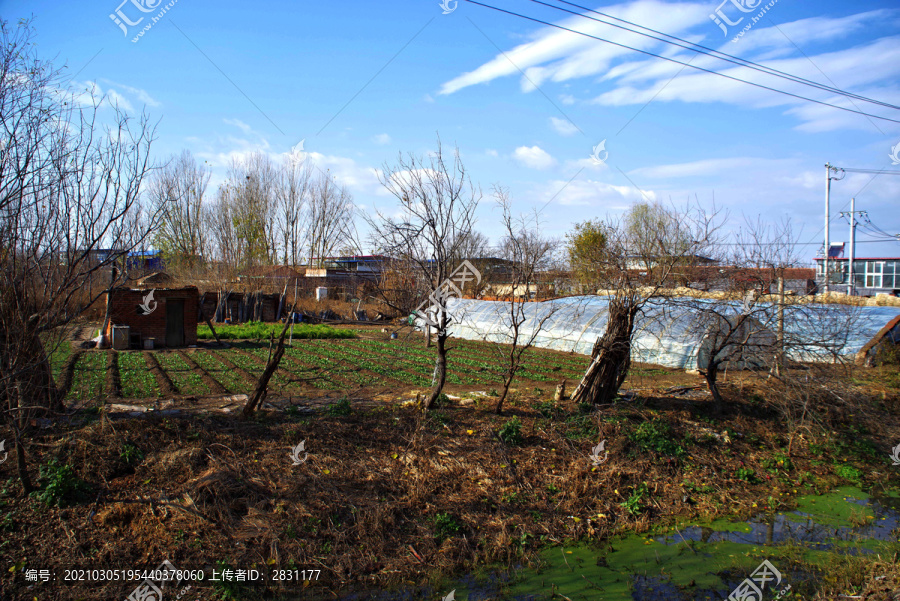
{"x":381,"y":139}
{"x":622,"y":77}
{"x":563,"y":127}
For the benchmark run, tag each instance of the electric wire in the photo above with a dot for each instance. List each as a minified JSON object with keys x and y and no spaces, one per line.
{"x":711,"y":52}
{"x":685,"y":64}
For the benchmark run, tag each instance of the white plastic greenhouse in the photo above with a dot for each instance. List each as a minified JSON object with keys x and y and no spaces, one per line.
{"x":667,"y":331}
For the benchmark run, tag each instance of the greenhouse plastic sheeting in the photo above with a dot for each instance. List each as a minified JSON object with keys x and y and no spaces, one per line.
{"x":667,"y":331}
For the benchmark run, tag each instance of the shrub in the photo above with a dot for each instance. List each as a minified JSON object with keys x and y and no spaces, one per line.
{"x":747,"y":475}
{"x":446,"y":526}
{"x":633,"y":505}
{"x":656,"y":435}
{"x":342,"y":407}
{"x":511,"y":432}
{"x":61,"y":486}
{"x":131,"y":454}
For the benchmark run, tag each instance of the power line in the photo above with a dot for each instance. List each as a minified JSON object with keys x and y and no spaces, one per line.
{"x":672,"y":60}
{"x":711,"y":52}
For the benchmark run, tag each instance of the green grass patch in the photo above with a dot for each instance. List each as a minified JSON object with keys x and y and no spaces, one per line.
{"x":253,"y":330}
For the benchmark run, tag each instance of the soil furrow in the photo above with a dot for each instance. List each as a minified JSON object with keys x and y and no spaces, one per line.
{"x":69,"y":374}
{"x":215,"y":386}
{"x":163,"y":381}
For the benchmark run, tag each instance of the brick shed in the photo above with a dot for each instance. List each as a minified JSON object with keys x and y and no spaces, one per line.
{"x":169,"y":316}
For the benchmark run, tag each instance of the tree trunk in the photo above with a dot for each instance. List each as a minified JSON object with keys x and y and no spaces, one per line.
{"x":259,"y":394}
{"x":441,"y":368}
{"x":22,"y":468}
{"x":711,"y":376}
{"x":611,"y":357}
{"x":507,"y":382}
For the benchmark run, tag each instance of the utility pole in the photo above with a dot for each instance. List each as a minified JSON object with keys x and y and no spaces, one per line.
{"x":852,"y":215}
{"x":828,"y":169}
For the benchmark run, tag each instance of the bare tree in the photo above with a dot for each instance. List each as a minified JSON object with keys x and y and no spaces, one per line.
{"x":636,"y":259}
{"x":295,"y":181}
{"x":749,"y":332}
{"x":248,"y":199}
{"x":438,"y":202}
{"x":528,"y":253}
{"x":69,"y":203}
{"x":178,"y":192}
{"x":330,"y":215}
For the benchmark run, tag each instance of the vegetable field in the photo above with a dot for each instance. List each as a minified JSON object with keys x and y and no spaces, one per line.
{"x":310,"y":365}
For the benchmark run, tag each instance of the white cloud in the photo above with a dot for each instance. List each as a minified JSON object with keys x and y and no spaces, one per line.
{"x":381,"y":139}
{"x":491,"y":152}
{"x":627,"y":78}
{"x":140,"y":94}
{"x":559,"y":55}
{"x":706,"y":167}
{"x":534,"y":157}
{"x":594,"y":194}
{"x":563,"y":127}
{"x":240,"y":125}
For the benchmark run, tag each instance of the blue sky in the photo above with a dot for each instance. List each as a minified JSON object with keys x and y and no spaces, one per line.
{"x":524,"y":102}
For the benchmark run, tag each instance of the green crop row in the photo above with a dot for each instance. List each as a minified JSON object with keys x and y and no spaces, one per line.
{"x":257,"y":330}
{"x":89,"y":377}
{"x":137,"y":381}
{"x":233,"y":382}
{"x":186,"y":380}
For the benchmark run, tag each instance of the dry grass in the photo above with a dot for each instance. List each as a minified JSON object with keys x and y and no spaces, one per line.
{"x":372,"y":504}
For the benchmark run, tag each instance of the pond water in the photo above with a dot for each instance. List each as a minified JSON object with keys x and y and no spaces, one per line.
{"x":689,"y":563}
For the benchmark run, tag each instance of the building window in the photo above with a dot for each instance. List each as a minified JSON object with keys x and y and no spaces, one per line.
{"x":874,"y":271}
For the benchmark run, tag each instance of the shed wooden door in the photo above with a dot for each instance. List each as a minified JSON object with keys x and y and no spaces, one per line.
{"x":174,"y":322}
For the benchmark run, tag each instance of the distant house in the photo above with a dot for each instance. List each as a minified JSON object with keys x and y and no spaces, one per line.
{"x":167,"y":315}
{"x":880,"y":275}
{"x":359,"y":264}
{"x":145,"y":260}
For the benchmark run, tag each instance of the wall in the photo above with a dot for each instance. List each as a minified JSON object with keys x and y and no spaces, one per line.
{"x":123,"y":311}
